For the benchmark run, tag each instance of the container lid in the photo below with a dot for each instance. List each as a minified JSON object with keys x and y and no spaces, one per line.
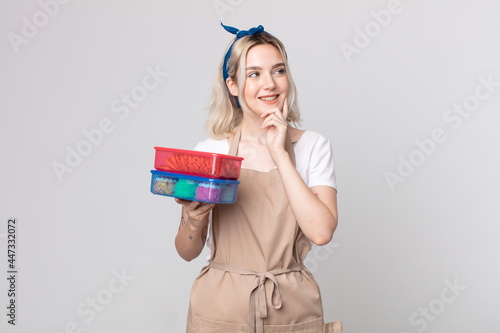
{"x":201,"y":179}
{"x":199,"y":153}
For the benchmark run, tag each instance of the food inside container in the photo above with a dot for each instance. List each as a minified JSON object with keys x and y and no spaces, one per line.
{"x":194,"y":188}
{"x":197,"y":163}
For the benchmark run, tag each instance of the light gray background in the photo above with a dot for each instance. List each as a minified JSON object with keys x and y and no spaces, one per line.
{"x":395,"y":252}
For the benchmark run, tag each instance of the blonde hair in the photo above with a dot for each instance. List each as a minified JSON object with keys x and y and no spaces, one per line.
{"x":224,"y":114}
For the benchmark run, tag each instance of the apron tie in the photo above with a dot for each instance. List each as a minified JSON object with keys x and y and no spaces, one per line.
{"x":257,"y":310}
{"x":261,"y":293}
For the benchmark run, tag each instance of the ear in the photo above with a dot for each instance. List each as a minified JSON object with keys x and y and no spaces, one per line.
{"x":232,"y":86}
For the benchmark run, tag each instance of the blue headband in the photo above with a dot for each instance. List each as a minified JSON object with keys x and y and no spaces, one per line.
{"x":239,"y":34}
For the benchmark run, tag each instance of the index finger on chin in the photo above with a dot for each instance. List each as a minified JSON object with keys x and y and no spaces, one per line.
{"x":285,"y":108}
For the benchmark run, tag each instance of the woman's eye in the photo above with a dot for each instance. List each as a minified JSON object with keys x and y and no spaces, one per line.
{"x":253,"y":74}
{"x":280,"y":71}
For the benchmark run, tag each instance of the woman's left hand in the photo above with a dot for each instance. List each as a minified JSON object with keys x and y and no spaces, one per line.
{"x":276,"y":125}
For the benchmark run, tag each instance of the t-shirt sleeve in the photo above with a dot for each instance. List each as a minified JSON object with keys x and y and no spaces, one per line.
{"x":212,"y":146}
{"x":322,"y":165}
{"x":201,"y":146}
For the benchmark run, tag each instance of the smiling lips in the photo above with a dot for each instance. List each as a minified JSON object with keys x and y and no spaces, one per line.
{"x":269,"y":99}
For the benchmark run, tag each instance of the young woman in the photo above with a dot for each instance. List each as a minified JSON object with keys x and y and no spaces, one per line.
{"x":256,"y":280}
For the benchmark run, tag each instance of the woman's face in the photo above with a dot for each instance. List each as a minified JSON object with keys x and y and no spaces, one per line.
{"x":266,"y":84}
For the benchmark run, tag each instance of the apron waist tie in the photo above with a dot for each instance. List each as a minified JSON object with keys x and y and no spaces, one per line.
{"x":258,"y":305}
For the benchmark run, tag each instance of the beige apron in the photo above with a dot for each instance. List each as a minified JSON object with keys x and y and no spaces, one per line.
{"x":256,"y":281}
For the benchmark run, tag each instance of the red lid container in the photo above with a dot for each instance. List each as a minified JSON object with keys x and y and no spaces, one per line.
{"x":197,"y":163}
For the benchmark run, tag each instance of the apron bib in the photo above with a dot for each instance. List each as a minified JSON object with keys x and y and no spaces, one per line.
{"x":256,"y":281}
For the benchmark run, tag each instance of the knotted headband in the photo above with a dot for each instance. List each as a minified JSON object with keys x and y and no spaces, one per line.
{"x":239,"y":34}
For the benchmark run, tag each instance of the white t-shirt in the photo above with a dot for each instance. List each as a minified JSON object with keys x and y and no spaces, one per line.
{"x":313,"y":160}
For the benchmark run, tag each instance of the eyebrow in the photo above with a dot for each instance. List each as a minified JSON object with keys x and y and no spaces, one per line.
{"x":260,"y":68}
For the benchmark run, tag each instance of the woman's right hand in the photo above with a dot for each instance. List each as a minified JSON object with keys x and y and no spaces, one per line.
{"x":193,"y":230}
{"x":195,"y":212}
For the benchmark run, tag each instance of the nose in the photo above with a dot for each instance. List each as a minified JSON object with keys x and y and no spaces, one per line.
{"x":268,"y":82}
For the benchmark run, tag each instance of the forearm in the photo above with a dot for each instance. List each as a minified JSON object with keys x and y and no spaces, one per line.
{"x":190,"y":239}
{"x":315,"y":219}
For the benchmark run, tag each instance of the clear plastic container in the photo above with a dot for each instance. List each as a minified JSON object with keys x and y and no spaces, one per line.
{"x":194,"y":188}
{"x":197,"y":163}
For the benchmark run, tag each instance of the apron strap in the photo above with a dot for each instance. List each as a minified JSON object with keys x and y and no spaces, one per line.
{"x":334,"y":326}
{"x":257,"y":310}
{"x":233,"y":148}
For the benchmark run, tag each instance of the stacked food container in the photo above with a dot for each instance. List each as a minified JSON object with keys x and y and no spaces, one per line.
{"x":195,"y":175}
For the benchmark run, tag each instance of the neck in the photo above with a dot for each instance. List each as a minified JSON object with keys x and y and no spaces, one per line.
{"x":250,"y":129}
